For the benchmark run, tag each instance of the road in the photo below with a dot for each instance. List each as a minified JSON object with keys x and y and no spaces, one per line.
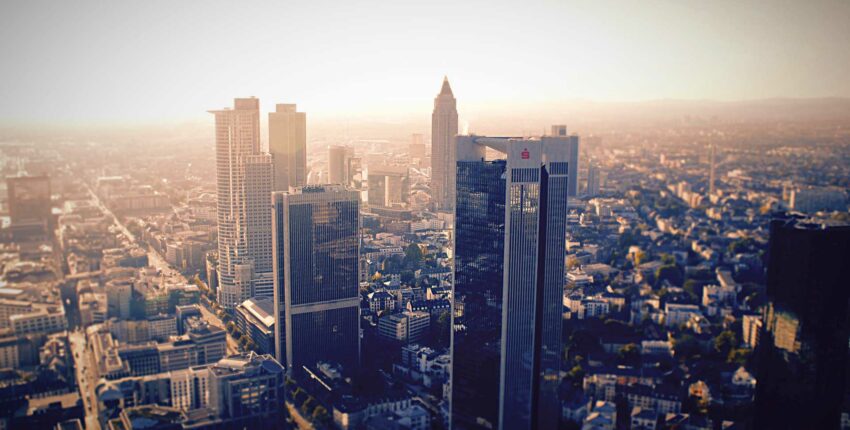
{"x":155,"y":260}
{"x":85,"y":378}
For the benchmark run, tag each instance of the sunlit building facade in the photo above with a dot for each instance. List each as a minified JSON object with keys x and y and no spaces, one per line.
{"x":443,"y":132}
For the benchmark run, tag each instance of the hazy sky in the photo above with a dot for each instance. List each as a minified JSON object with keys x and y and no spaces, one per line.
{"x":87,"y":61}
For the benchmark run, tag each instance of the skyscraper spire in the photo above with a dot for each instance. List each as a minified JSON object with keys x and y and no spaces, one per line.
{"x":446,"y":89}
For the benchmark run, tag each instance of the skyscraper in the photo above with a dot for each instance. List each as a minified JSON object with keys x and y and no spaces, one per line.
{"x":417,"y":149}
{"x":338,"y":164}
{"x":258,"y":222}
{"x":711,"y":169}
{"x":443,"y":132}
{"x":316,"y":242}
{"x":388,"y":186}
{"x":509,"y":269}
{"x":288,"y":146}
{"x":29,"y":200}
{"x":593,"y":180}
{"x":561,"y":131}
{"x":802,"y":353}
{"x":237,"y":136}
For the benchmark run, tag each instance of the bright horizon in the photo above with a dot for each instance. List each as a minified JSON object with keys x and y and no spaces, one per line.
{"x":108,"y":62}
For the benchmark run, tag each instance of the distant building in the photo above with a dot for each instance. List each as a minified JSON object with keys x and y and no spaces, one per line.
{"x":389,"y":186}
{"x":338,"y":164}
{"x":416,"y":150}
{"x":443,"y":132}
{"x":813,"y":199}
{"x":288,"y":146}
{"x":29,"y":201}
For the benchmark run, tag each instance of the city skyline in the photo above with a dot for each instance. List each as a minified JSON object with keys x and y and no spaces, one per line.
{"x":539,"y":215}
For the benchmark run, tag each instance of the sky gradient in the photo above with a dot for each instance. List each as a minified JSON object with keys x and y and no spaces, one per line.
{"x":90,"y":62}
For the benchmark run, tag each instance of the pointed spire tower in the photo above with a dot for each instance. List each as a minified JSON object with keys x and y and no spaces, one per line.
{"x":446,"y":90}
{"x":443,"y":153}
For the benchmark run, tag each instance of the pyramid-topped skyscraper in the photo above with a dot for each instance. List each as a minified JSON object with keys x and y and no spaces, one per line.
{"x":443,"y":132}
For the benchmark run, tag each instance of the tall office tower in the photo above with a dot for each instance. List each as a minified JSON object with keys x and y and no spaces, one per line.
{"x":443,"y":152}
{"x":561,"y":131}
{"x":29,"y":200}
{"x":711,"y":171}
{"x":593,"y":180}
{"x":258,"y":222}
{"x":237,"y":136}
{"x":288,"y":146}
{"x":509,"y":275}
{"x":316,"y":242}
{"x":802,"y":353}
{"x":389,"y":186}
{"x":417,"y":149}
{"x":337,"y":164}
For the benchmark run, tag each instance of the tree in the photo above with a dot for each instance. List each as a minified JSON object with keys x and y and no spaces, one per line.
{"x":412,"y":255}
{"x":725,"y":342}
{"x":686,"y":346}
{"x":629,"y":354}
{"x":738,"y":356}
{"x":441,"y":330}
{"x":669,"y":272}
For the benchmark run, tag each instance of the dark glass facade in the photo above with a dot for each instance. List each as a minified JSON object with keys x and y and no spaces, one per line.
{"x":317,"y":291}
{"x":479,"y":263}
{"x":803,"y":352}
{"x":506,"y":343}
{"x":326,"y":335}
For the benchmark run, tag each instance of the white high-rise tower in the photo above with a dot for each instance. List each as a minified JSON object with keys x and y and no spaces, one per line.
{"x":243,"y":177}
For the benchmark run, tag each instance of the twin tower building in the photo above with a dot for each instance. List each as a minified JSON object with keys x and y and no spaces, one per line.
{"x":510,"y":234}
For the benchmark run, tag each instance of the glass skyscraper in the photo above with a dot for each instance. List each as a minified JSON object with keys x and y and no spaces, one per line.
{"x":509,"y":275}
{"x":316,"y":232}
{"x":803,"y":354}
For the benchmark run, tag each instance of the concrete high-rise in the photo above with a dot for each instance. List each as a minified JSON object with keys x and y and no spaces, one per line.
{"x":29,"y":200}
{"x":244,"y":215}
{"x":316,"y":243}
{"x":443,"y":132}
{"x":388,"y":186}
{"x":593,"y":180}
{"x":288,"y":146}
{"x":258,"y":221}
{"x":509,"y":271}
{"x":561,"y":131}
{"x":417,"y":149}
{"x":338,"y":164}
{"x":802,"y":352}
{"x":711,"y":169}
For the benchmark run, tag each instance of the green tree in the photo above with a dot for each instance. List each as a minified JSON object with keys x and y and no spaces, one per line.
{"x":738,"y":356}
{"x":669,"y":272}
{"x":412,"y":255}
{"x":629,"y":354}
{"x":725,"y":342}
{"x":686,"y":346}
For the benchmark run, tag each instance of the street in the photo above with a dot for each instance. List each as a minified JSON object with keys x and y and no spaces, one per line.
{"x":85,"y":378}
